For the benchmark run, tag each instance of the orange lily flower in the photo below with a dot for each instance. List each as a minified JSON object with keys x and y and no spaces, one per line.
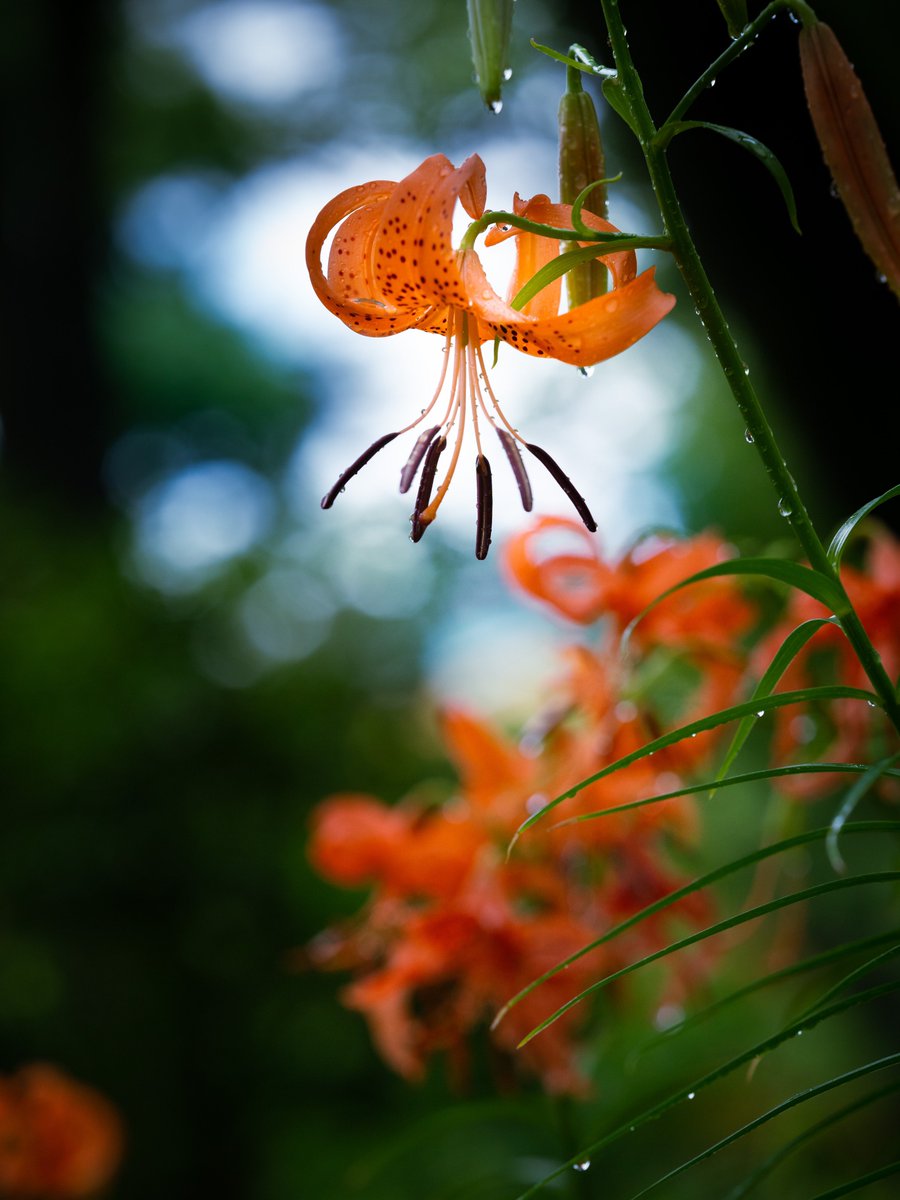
{"x":392,"y":267}
{"x":59,"y":1139}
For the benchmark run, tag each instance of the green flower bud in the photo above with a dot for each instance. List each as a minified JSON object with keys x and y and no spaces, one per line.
{"x":581,"y":162}
{"x":490,"y":27}
{"x":735,"y":14}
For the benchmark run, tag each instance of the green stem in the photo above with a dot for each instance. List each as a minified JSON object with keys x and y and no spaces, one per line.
{"x":498,"y":217}
{"x":747,"y":37}
{"x":790,"y":503}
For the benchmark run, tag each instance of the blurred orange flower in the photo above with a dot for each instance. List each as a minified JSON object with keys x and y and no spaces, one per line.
{"x":59,"y":1140}
{"x":392,"y":266}
{"x":704,"y":624}
{"x":453,"y":929}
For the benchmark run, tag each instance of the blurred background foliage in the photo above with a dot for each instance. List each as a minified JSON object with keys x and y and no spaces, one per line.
{"x":192,"y":654}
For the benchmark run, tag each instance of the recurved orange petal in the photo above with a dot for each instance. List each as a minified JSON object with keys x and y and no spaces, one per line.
{"x":575,"y":583}
{"x":532,"y":253}
{"x":350,"y":291}
{"x":588,"y":334}
{"x":414,"y":263}
{"x":622,"y":264}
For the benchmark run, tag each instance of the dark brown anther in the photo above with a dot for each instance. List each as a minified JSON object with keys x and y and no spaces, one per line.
{"x":484,"y":507}
{"x":408,"y":474}
{"x":508,"y":443}
{"x":426,"y":483}
{"x":566,"y":484}
{"x":329,"y":498}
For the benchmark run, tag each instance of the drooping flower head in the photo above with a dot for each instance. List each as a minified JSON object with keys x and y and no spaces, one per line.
{"x":392,"y":267}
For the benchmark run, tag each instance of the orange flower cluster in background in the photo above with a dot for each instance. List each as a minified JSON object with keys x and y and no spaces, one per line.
{"x":453,"y":927}
{"x":59,"y":1140}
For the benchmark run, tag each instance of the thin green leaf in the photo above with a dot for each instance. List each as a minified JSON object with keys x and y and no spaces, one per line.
{"x":551,"y":271}
{"x":860,"y":1182}
{"x":761,"y":152}
{"x":750,"y":914}
{"x":833,"y":691}
{"x":807,"y":1094}
{"x":787,"y":652}
{"x":853,"y":977}
{"x":854,"y":794}
{"x":696,"y":885}
{"x":826,"y":958}
{"x":839,"y":541}
{"x":768,"y":1165}
{"x":821,"y":587}
{"x":765,"y":773}
{"x":584,"y":61}
{"x":684,"y":1093}
{"x":581,"y":199}
{"x":618,"y":100}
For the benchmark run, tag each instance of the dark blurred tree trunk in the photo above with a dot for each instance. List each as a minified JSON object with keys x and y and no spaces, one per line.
{"x":55,"y":399}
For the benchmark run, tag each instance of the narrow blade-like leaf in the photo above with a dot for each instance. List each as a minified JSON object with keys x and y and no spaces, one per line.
{"x":839,"y":541}
{"x":761,"y":152}
{"x":787,"y":652}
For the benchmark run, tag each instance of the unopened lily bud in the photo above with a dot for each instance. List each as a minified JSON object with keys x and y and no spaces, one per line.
{"x":490,"y":27}
{"x":581,"y":163}
{"x":735,"y":14}
{"x":853,"y":148}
